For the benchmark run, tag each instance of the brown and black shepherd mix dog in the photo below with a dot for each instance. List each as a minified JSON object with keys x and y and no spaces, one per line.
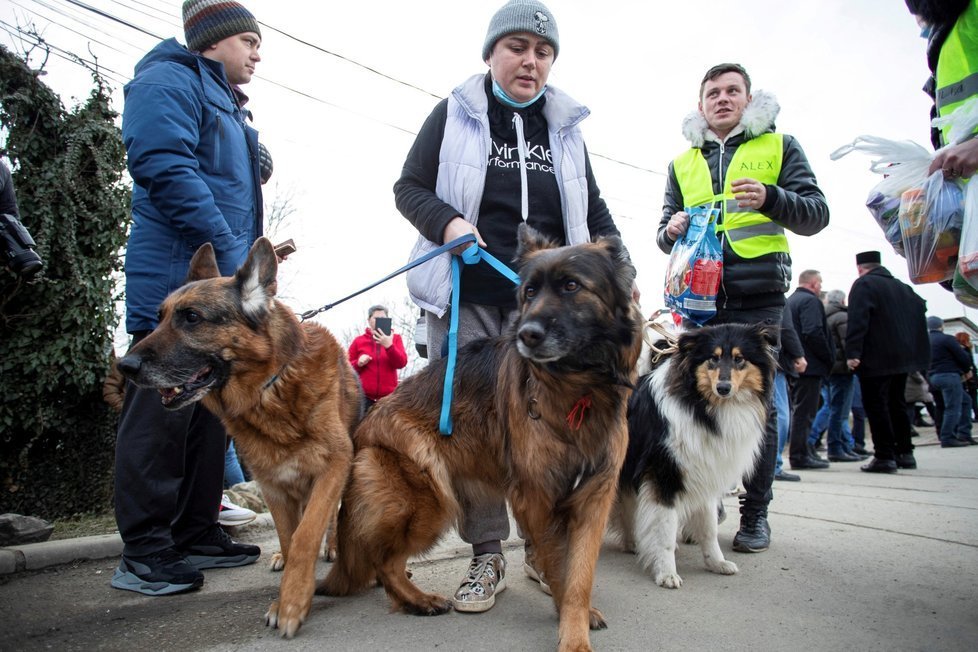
{"x":285,"y":391}
{"x":539,"y":418}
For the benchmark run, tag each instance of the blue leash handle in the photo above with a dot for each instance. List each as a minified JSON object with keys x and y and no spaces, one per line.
{"x":471,"y":256}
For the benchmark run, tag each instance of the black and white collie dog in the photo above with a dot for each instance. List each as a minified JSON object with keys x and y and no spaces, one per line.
{"x":695,"y":427}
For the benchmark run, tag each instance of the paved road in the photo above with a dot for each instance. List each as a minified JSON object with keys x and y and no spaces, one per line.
{"x":858,"y":562}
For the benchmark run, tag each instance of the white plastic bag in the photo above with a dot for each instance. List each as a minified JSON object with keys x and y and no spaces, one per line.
{"x":904,"y":164}
{"x":968,"y":250}
{"x":963,"y":121}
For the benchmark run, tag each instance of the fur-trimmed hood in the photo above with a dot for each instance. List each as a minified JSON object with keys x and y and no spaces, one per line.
{"x":758,"y":118}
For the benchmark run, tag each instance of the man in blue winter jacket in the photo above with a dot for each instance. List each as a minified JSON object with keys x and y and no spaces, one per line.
{"x":195,"y":167}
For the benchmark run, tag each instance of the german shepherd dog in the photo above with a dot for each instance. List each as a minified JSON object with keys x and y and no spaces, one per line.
{"x":695,"y":427}
{"x":285,"y":391}
{"x":539,"y":418}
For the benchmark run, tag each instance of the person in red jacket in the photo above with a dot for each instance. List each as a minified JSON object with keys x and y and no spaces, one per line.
{"x":377,"y":355}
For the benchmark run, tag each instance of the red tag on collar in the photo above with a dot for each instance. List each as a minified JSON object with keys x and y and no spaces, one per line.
{"x":576,"y":416}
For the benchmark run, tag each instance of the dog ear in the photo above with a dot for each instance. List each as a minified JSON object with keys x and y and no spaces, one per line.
{"x":688,"y":340}
{"x":625,"y":271}
{"x":529,"y":241}
{"x":256,"y":279}
{"x":203,"y":264}
{"x":769,"y":334}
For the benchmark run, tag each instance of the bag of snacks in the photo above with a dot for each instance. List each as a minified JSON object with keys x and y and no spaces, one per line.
{"x":696,"y":267}
{"x":931,"y":217}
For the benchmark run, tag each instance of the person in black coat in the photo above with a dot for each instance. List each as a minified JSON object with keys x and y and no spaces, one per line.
{"x":808,"y":318}
{"x":791,"y":362}
{"x":886,"y":339}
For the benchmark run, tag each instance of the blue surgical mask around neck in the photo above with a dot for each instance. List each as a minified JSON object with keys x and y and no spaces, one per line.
{"x":501,"y":95}
{"x":926,"y":30}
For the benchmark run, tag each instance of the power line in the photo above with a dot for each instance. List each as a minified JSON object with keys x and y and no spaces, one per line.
{"x":108,"y":73}
{"x":65,"y":27}
{"x":147,"y":14}
{"x":105,"y":14}
{"x":111,"y":17}
{"x":348,"y":60}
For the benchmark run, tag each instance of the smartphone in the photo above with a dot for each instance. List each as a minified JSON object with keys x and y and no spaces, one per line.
{"x":383,"y":324}
{"x":283,"y":249}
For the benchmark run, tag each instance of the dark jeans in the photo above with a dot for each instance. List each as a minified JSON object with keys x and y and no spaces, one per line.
{"x":956,"y":419}
{"x":840,"y":405}
{"x":805,"y":394}
{"x":886,"y":409}
{"x":169,"y":472}
{"x":858,"y":415}
{"x":757,"y":486}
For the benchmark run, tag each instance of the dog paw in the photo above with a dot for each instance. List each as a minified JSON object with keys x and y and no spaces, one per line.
{"x":723,"y":567}
{"x":596,"y":619}
{"x":574,"y":646}
{"x":277,"y":563}
{"x":669,"y":580}
{"x":287,"y":619}
{"x":431,"y":605}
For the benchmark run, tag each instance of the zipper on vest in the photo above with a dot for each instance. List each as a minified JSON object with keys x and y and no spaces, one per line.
{"x":723,"y":210}
{"x":521,"y":149}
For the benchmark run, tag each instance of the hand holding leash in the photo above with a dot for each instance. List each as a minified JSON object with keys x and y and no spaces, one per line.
{"x":457,"y":228}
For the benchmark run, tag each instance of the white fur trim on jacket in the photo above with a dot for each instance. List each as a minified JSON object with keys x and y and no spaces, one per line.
{"x":758,"y":118}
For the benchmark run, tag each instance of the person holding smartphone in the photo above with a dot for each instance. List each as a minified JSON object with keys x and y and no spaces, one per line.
{"x":377,"y":355}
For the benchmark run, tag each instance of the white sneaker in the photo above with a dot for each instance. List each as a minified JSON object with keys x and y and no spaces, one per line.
{"x":231,"y":514}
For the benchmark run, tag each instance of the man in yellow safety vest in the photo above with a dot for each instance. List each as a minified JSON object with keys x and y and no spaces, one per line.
{"x":763,"y":185}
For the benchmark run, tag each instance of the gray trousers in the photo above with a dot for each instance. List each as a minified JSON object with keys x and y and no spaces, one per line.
{"x":486,"y":520}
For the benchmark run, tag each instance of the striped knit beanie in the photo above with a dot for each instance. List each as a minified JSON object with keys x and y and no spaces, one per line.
{"x":521,"y":16}
{"x":205,"y":22}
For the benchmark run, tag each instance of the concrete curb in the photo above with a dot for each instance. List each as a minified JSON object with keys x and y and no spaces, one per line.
{"x":35,"y":556}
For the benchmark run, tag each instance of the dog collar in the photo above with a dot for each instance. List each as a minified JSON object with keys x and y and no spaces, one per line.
{"x":271,"y":381}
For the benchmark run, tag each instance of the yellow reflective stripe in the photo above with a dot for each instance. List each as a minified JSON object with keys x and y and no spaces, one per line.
{"x":957,"y":92}
{"x":766,"y":228}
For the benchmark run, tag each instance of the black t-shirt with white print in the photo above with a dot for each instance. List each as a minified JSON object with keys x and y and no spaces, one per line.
{"x":500,"y":210}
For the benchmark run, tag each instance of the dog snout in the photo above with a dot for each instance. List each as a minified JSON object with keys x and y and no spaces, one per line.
{"x":531,"y":334}
{"x":129,"y":365}
{"x":724,"y":387}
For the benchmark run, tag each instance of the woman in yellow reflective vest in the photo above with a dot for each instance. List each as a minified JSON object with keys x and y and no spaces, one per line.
{"x":951,"y":29}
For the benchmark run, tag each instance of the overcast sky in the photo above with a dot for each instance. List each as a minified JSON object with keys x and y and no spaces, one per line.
{"x":839,"y":68}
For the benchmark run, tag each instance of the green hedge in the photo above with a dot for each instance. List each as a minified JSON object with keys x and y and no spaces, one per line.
{"x":56,"y":435}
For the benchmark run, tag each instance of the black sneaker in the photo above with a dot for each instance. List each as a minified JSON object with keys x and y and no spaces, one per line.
{"x":754,"y":534}
{"x":161,"y":573}
{"x":215,"y":549}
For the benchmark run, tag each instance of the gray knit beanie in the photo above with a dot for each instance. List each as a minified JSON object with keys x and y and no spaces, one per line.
{"x":522,"y":16}
{"x":205,"y":22}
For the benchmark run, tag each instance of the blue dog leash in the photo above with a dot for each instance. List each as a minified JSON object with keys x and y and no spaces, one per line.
{"x":469,"y":237}
{"x":471,"y":256}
